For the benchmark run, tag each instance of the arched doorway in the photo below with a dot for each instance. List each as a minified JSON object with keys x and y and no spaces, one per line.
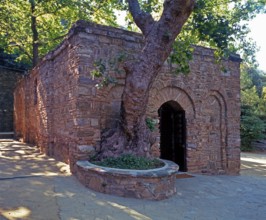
{"x":173,"y":133}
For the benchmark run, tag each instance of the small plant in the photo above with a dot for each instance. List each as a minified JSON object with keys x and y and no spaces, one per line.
{"x":129,"y":161}
{"x":101,"y":73}
{"x":151,"y":123}
{"x":103,"y":68}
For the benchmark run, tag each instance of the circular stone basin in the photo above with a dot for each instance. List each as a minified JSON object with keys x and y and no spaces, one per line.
{"x":153,"y":184}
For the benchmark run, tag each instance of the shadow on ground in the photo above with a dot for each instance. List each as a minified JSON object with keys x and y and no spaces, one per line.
{"x":33,"y":186}
{"x":18,"y":160}
{"x":26,"y":178}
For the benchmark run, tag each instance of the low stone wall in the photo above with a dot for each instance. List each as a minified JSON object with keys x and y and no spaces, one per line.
{"x":154,"y":184}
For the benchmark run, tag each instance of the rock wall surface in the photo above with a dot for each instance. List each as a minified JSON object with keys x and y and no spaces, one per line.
{"x":8,"y":80}
{"x":59,"y":107}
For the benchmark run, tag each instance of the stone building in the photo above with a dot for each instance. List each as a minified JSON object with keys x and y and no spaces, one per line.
{"x":8,"y":78}
{"x":59,"y":107}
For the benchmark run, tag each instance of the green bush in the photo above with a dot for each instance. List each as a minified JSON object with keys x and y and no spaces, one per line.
{"x":252,"y":128}
{"x":129,"y":161}
{"x":253,"y":106}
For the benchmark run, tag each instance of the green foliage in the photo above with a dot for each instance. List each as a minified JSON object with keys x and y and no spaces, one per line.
{"x":214,"y":23}
{"x":222,"y":25}
{"x":252,"y":128}
{"x":103,"y":68}
{"x":129,"y":161}
{"x":53,"y":20}
{"x":256,"y":78}
{"x":253,"y":107}
{"x":219,"y":24}
{"x":181,"y":55}
{"x":9,"y":60}
{"x":151,"y":123}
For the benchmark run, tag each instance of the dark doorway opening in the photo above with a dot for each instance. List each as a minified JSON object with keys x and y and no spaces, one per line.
{"x":173,"y":133}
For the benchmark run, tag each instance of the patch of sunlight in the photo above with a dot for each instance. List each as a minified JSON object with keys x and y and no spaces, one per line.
{"x":16,"y":213}
{"x":12,"y":157}
{"x":50,"y":159}
{"x":45,"y":173}
{"x":23,"y":152}
{"x":246,"y":166}
{"x":65,"y":170}
{"x":134,"y":214}
{"x":101,"y":203}
{"x":39,"y":157}
{"x":257,"y":160}
{"x":20,"y":145}
{"x":51,"y":193}
{"x":18,"y":167}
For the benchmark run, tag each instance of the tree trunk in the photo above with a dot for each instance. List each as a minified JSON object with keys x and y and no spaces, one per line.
{"x":35,"y":35}
{"x":132,"y":135}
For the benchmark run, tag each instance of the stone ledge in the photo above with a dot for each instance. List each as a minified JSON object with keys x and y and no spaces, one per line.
{"x":153,"y":184}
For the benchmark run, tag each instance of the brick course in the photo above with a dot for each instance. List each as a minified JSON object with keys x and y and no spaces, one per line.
{"x":59,"y":108}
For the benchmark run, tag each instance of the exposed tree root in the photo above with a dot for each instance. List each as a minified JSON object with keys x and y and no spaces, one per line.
{"x":115,"y":142}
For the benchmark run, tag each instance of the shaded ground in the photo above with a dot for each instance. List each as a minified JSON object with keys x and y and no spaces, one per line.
{"x":33,"y":186}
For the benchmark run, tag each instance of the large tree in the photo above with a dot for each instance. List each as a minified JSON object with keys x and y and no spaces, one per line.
{"x":132,"y":134}
{"x":30,"y":28}
{"x":215,"y":22}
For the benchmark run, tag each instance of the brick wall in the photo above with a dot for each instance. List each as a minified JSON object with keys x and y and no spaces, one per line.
{"x":8,"y":79}
{"x":64,"y":113}
{"x":45,"y":103}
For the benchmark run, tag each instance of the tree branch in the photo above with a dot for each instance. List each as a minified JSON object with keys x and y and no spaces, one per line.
{"x":174,"y":16}
{"x":142,"y":19}
{"x":21,"y":48}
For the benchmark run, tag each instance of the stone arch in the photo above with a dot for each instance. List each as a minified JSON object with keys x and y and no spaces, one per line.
{"x":173,"y":133}
{"x":176,"y":94}
{"x":221,"y":99}
{"x":215,"y":115}
{"x":170,"y":94}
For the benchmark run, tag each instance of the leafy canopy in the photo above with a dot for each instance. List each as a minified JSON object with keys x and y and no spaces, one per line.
{"x":53,"y":20}
{"x":220,"y":24}
{"x":253,"y":106}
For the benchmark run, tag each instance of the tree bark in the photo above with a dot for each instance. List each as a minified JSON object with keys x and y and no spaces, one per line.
{"x":132,"y":135}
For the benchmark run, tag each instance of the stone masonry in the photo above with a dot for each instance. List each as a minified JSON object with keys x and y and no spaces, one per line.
{"x":8,"y":79}
{"x":59,"y":107}
{"x":154,"y":184}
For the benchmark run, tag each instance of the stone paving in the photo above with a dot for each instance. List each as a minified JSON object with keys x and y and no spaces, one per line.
{"x":33,"y":186}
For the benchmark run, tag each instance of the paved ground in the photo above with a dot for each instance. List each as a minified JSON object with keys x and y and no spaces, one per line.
{"x":35,"y":187}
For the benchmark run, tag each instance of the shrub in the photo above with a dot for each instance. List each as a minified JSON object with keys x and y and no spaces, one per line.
{"x":252,"y":128}
{"x":129,"y":161}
